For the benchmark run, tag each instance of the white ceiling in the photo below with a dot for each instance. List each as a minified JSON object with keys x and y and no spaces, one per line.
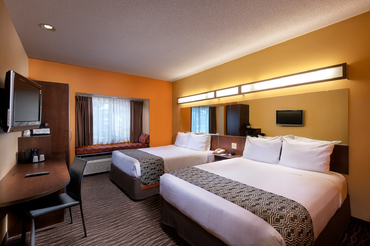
{"x":166,"y":39}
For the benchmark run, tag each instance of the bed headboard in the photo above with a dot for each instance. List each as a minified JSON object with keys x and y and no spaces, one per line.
{"x":338,"y":159}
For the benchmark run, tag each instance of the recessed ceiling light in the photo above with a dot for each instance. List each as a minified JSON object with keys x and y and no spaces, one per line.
{"x":47,"y":27}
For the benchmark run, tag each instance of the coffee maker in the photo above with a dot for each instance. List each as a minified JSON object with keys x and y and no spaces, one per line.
{"x":31,"y":155}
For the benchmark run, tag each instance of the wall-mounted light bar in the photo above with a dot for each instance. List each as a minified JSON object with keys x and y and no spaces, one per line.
{"x":227,"y":92}
{"x":312,"y":76}
{"x":198,"y":97}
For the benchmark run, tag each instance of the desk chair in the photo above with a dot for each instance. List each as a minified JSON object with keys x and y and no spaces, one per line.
{"x":55,"y":202}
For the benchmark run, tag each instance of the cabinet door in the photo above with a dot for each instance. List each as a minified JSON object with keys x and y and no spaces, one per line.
{"x":244,"y":119}
{"x":55,"y":112}
{"x":232,"y":120}
{"x":237,"y":116}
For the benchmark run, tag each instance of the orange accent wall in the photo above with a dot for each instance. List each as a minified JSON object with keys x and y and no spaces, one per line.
{"x":347,"y":41}
{"x":100,"y":82}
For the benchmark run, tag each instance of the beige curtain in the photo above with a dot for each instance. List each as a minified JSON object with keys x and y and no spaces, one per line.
{"x":84,"y":121}
{"x":136,"y":111}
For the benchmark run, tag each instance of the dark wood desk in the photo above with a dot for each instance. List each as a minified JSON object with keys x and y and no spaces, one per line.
{"x":15,"y":188}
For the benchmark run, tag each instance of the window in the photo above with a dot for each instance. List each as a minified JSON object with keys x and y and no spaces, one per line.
{"x":111,"y":120}
{"x":200,"y":119}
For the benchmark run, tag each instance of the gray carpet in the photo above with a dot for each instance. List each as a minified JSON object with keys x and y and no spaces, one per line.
{"x":113,"y":219}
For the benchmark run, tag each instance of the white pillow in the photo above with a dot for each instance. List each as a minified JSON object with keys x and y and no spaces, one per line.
{"x":208,"y":147}
{"x":311,"y":156}
{"x":198,"y":142}
{"x":310,"y":140}
{"x":208,"y":141}
{"x":182,"y":139}
{"x":262,"y":149}
{"x":286,"y":136}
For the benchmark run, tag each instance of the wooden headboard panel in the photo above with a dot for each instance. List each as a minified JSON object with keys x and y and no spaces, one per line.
{"x":224,"y":142}
{"x":338,"y":159}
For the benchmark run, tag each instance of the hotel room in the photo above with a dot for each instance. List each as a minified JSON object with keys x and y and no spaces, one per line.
{"x":345,"y":40}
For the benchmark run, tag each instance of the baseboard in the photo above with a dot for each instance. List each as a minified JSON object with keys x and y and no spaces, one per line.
{"x":360,"y":222}
{"x":5,"y":239}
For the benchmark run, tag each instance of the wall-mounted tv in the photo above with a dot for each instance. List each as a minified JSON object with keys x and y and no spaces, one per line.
{"x":21,"y":108}
{"x":289,"y":117}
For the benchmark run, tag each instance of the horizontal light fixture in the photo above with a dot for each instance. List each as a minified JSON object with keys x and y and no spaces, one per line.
{"x":227,"y":92}
{"x":312,"y":76}
{"x":335,"y":72}
{"x":198,"y":97}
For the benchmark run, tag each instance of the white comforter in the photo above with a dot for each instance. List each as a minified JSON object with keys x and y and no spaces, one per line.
{"x":174,"y":158}
{"x":321,"y":194}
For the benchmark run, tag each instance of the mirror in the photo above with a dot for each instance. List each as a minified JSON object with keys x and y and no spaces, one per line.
{"x":325,"y":115}
{"x":219,"y":119}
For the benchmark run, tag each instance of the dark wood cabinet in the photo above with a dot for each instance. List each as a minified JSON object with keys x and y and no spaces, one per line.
{"x":55,"y":112}
{"x":253,"y":132}
{"x":237,"y":116}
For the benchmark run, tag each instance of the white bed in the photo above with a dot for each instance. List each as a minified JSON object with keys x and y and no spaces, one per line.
{"x":321,"y":194}
{"x":190,"y":208}
{"x":126,"y":172}
{"x":174,"y":158}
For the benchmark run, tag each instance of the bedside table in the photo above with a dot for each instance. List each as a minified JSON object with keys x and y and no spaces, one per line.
{"x":224,"y":157}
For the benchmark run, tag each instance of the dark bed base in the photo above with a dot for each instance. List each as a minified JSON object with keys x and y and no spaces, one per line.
{"x":130,"y":185}
{"x":194,"y":234}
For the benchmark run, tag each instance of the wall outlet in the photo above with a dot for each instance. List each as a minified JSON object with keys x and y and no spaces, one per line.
{"x":233,"y":145}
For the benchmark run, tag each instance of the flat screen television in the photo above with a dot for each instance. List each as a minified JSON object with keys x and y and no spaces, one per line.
{"x":22,"y":103}
{"x":289,"y":117}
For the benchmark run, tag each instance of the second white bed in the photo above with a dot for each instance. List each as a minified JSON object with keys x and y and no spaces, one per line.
{"x":174,"y":158}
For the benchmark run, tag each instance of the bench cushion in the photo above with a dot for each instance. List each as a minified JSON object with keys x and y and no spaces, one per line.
{"x":108,"y":148}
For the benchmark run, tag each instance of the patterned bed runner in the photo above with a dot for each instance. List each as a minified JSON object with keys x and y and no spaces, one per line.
{"x":288,"y":217}
{"x":151,"y":167}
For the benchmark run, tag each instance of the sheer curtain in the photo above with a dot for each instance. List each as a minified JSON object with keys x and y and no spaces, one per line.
{"x":111,"y":120}
{"x":200,"y":119}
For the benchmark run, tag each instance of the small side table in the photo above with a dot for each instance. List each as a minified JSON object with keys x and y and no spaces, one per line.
{"x":224,"y":157}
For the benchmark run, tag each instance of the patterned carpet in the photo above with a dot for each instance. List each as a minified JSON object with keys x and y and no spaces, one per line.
{"x":113,"y":219}
{"x":358,"y":233}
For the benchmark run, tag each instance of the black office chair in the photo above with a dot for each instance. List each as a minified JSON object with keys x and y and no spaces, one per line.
{"x":55,"y":202}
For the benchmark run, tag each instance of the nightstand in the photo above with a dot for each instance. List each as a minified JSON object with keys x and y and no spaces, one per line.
{"x":224,"y":157}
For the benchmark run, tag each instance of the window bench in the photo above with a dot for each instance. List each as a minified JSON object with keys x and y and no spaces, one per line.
{"x":81,"y":151}
{"x":99,"y":158}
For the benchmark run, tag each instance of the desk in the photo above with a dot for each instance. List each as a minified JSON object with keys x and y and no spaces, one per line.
{"x":15,"y":188}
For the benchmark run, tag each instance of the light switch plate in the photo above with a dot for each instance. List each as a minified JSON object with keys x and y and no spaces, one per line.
{"x":233,"y":145}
